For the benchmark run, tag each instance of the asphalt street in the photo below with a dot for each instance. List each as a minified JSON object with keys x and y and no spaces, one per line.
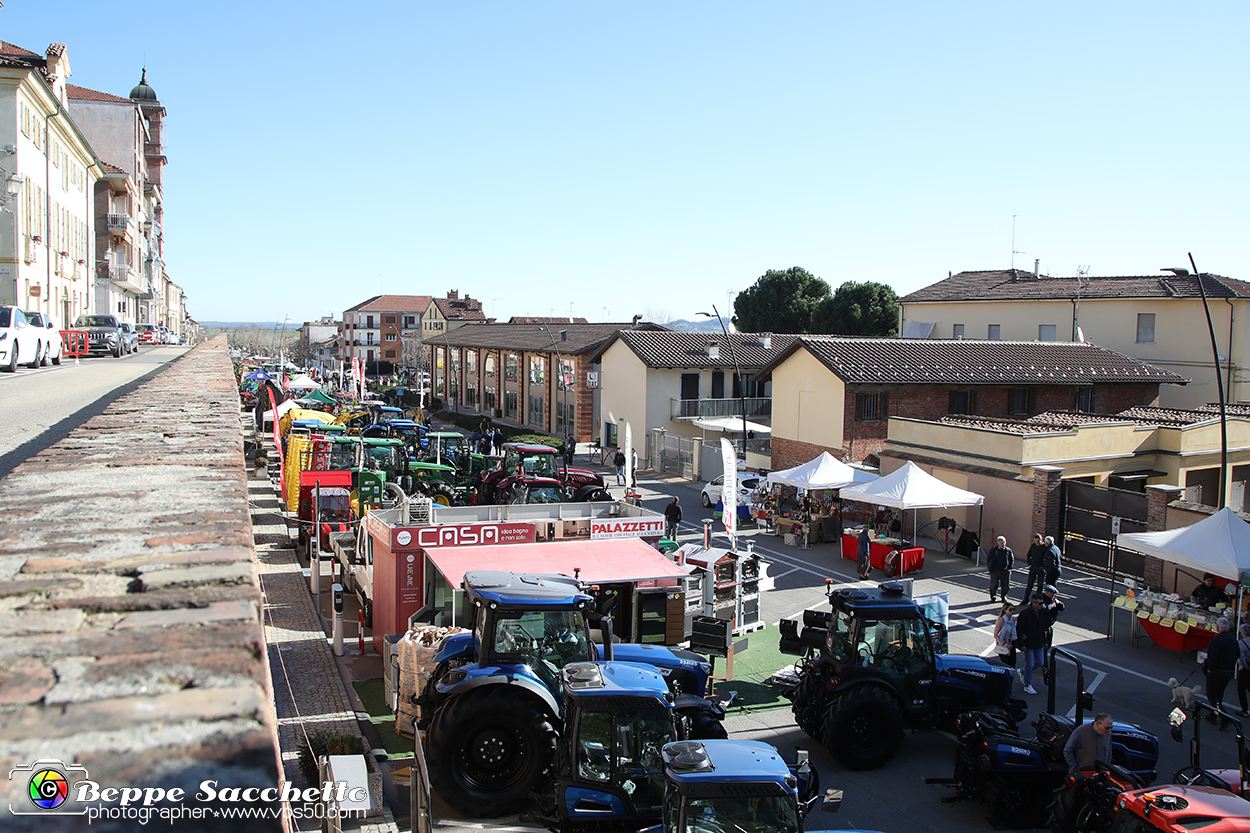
{"x":1128,"y":681}
{"x":40,"y":407}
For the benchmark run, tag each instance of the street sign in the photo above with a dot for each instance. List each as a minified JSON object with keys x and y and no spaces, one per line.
{"x":1115,"y":525}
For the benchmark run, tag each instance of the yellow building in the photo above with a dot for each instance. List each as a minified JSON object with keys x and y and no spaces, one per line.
{"x":1156,"y":318}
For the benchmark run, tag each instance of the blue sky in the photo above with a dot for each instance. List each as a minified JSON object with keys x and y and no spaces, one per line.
{"x":610,"y":159}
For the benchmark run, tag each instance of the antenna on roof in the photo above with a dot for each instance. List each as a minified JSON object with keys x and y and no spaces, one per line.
{"x":1013,"y":245}
{"x":1077,"y":333}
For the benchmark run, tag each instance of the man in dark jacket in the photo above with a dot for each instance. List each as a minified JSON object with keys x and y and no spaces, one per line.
{"x":999,"y":561}
{"x":1052,"y":561}
{"x":1031,"y":630}
{"x":1037,"y":567}
{"x":1221,"y":665}
{"x":672,"y":517}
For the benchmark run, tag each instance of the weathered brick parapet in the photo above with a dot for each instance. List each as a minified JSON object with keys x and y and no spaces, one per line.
{"x":130,"y":632}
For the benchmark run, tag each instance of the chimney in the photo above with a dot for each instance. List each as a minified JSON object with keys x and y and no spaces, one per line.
{"x":636,"y":319}
{"x":713,"y":350}
{"x":453,"y":294}
{"x":766,"y":340}
{"x":1036,"y":261}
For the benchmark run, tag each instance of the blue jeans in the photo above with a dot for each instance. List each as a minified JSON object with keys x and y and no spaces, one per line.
{"x":620,"y":475}
{"x":1033,"y":658}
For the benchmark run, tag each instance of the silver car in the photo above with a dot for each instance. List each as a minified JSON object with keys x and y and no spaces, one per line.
{"x":130,"y":338}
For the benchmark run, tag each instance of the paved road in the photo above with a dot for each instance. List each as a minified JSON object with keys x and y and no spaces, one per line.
{"x":1128,"y":681}
{"x":40,"y":407}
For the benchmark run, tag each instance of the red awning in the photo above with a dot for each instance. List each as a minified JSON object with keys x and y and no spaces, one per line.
{"x":600,"y":562}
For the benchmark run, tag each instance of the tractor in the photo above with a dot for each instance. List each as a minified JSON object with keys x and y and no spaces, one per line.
{"x":531,"y":459}
{"x":494,"y":706}
{"x":872,"y":667}
{"x":737,"y":786}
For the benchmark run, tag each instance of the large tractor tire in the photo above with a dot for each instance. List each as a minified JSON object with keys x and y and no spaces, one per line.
{"x":489,"y":749}
{"x":595,"y":494}
{"x":864,"y":727}
{"x":442,"y":494}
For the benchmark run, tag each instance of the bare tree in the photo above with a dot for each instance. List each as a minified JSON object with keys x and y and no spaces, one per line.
{"x":656,"y":315}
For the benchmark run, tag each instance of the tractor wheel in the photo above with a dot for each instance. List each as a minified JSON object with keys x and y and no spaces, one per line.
{"x":442,"y":494}
{"x":489,"y":749}
{"x":1017,"y":807}
{"x":705,"y":727}
{"x":597,"y":494}
{"x":864,"y":727}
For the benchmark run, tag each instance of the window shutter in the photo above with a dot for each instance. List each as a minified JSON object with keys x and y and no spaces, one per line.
{"x":972,"y":402}
{"x":953,"y":405}
{"x":884,"y":409}
{"x":1032,"y":400}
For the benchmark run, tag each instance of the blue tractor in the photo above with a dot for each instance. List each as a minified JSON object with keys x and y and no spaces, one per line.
{"x":737,"y":786}
{"x":495,"y":706}
{"x":874,"y":665}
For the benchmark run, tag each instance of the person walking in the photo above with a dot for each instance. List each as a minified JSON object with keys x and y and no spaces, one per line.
{"x":1031,"y":631}
{"x":1005,"y":635}
{"x":1037,"y":567}
{"x":1088,"y":744}
{"x":618,"y":460}
{"x":1243,"y":669}
{"x":999,"y":561}
{"x":1052,"y":562}
{"x":497,"y":439}
{"x":633,"y":469}
{"x":865,"y":549}
{"x":1222,"y":655}
{"x":672,"y":517}
{"x":570,"y":448}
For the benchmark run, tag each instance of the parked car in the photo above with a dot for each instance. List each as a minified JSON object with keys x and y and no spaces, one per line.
{"x":17,"y":339}
{"x":130,"y":338}
{"x":51,"y":332}
{"x":712,"y":491}
{"x":148,"y":334}
{"x":164,"y":335}
{"x":104,"y":334}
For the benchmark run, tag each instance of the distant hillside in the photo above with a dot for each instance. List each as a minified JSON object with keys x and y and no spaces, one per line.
{"x":234,"y":325}
{"x":703,"y":325}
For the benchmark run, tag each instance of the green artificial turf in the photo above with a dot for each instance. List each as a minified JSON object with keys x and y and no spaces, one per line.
{"x":373,"y":695}
{"x":752,"y":670}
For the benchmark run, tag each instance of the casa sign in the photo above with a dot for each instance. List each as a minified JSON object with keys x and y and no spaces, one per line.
{"x":464,"y":535}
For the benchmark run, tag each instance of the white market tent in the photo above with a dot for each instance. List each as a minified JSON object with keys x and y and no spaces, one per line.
{"x":911,"y":487}
{"x":302,"y":382}
{"x":282,"y":408}
{"x":824,"y":472}
{"x":1219,"y":544}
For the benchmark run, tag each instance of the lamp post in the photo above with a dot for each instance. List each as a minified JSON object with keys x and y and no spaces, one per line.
{"x":12,"y":187}
{"x":560,"y":374}
{"x":447,"y":373}
{"x":733,"y":354}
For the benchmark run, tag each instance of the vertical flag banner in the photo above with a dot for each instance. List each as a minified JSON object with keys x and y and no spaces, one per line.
{"x":729,"y":491}
{"x":629,"y":455}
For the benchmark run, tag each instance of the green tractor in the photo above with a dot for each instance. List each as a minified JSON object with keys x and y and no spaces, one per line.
{"x":449,"y":470}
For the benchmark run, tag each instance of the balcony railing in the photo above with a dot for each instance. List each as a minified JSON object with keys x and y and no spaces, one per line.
{"x":757,"y":407}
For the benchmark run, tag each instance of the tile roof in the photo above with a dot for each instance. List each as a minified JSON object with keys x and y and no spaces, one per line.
{"x":672,"y":349}
{"x":1021,"y":285}
{"x":580,"y":337}
{"x":545,"y":319}
{"x":84,"y":94}
{"x":11,"y":50}
{"x":973,"y":362}
{"x":111,"y":168}
{"x":460,"y":309}
{"x":393,"y":303}
{"x":1049,"y":421}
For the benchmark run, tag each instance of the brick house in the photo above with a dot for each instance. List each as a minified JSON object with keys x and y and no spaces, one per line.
{"x":374,"y":329}
{"x":507,"y":371}
{"x":837,"y":394}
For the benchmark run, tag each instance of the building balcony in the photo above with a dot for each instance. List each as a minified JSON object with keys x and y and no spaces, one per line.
{"x":127,"y":279}
{"x":121,"y":224}
{"x":757,"y":407}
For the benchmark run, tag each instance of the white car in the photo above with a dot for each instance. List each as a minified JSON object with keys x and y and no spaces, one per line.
{"x":51,"y":336}
{"x":747,"y":483}
{"x":18,"y":340}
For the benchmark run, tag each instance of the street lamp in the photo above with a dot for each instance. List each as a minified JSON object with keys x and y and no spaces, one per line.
{"x":455,"y":401}
{"x":733,"y":354}
{"x":560,"y":373}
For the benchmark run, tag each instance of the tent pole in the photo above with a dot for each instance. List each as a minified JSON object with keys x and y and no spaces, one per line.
{"x":1111,"y":600}
{"x":980,"y":525}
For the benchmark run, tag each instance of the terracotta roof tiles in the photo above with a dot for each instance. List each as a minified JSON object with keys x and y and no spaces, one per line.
{"x":393,"y":303}
{"x":84,"y":94}
{"x":1021,"y":285}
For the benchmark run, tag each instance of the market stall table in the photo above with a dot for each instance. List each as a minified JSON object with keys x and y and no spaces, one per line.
{"x":912,"y":558}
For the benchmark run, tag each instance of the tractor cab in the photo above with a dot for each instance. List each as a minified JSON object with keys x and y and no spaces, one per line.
{"x":530,"y":490}
{"x":618,"y":716}
{"x":530,"y":458}
{"x":412,"y":433}
{"x":739,"y":786}
{"x":1174,"y":808}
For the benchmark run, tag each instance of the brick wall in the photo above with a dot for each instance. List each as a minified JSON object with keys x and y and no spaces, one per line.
{"x":786,"y":454}
{"x":131,"y":641}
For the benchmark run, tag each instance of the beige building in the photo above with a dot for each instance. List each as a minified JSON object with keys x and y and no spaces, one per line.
{"x":49,"y":171}
{"x":1156,"y":318}
{"x":444,"y":314}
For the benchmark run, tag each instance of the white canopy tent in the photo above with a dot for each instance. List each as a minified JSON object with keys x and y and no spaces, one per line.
{"x":1219,"y":544}
{"x":282,"y":408}
{"x":911,"y":487}
{"x":302,"y":382}
{"x":824,"y":472}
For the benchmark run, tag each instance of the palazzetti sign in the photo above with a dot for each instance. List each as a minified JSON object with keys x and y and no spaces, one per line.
{"x":627,"y":528}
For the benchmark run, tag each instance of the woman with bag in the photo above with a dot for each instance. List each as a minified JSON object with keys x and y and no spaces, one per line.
{"x":1005,"y":635}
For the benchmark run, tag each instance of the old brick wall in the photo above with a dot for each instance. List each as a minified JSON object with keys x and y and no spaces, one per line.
{"x":130,"y":635}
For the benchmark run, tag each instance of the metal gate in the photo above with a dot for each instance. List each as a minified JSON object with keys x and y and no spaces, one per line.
{"x":669,"y":453}
{"x":711,"y":461}
{"x":1087,"y":514}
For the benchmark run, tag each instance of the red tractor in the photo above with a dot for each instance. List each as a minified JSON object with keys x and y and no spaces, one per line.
{"x":526,"y":461}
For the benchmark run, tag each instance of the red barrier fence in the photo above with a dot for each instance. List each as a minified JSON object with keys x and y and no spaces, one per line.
{"x":74,"y":343}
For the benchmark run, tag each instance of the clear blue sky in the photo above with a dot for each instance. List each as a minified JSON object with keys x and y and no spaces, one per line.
{"x":619,"y":158}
